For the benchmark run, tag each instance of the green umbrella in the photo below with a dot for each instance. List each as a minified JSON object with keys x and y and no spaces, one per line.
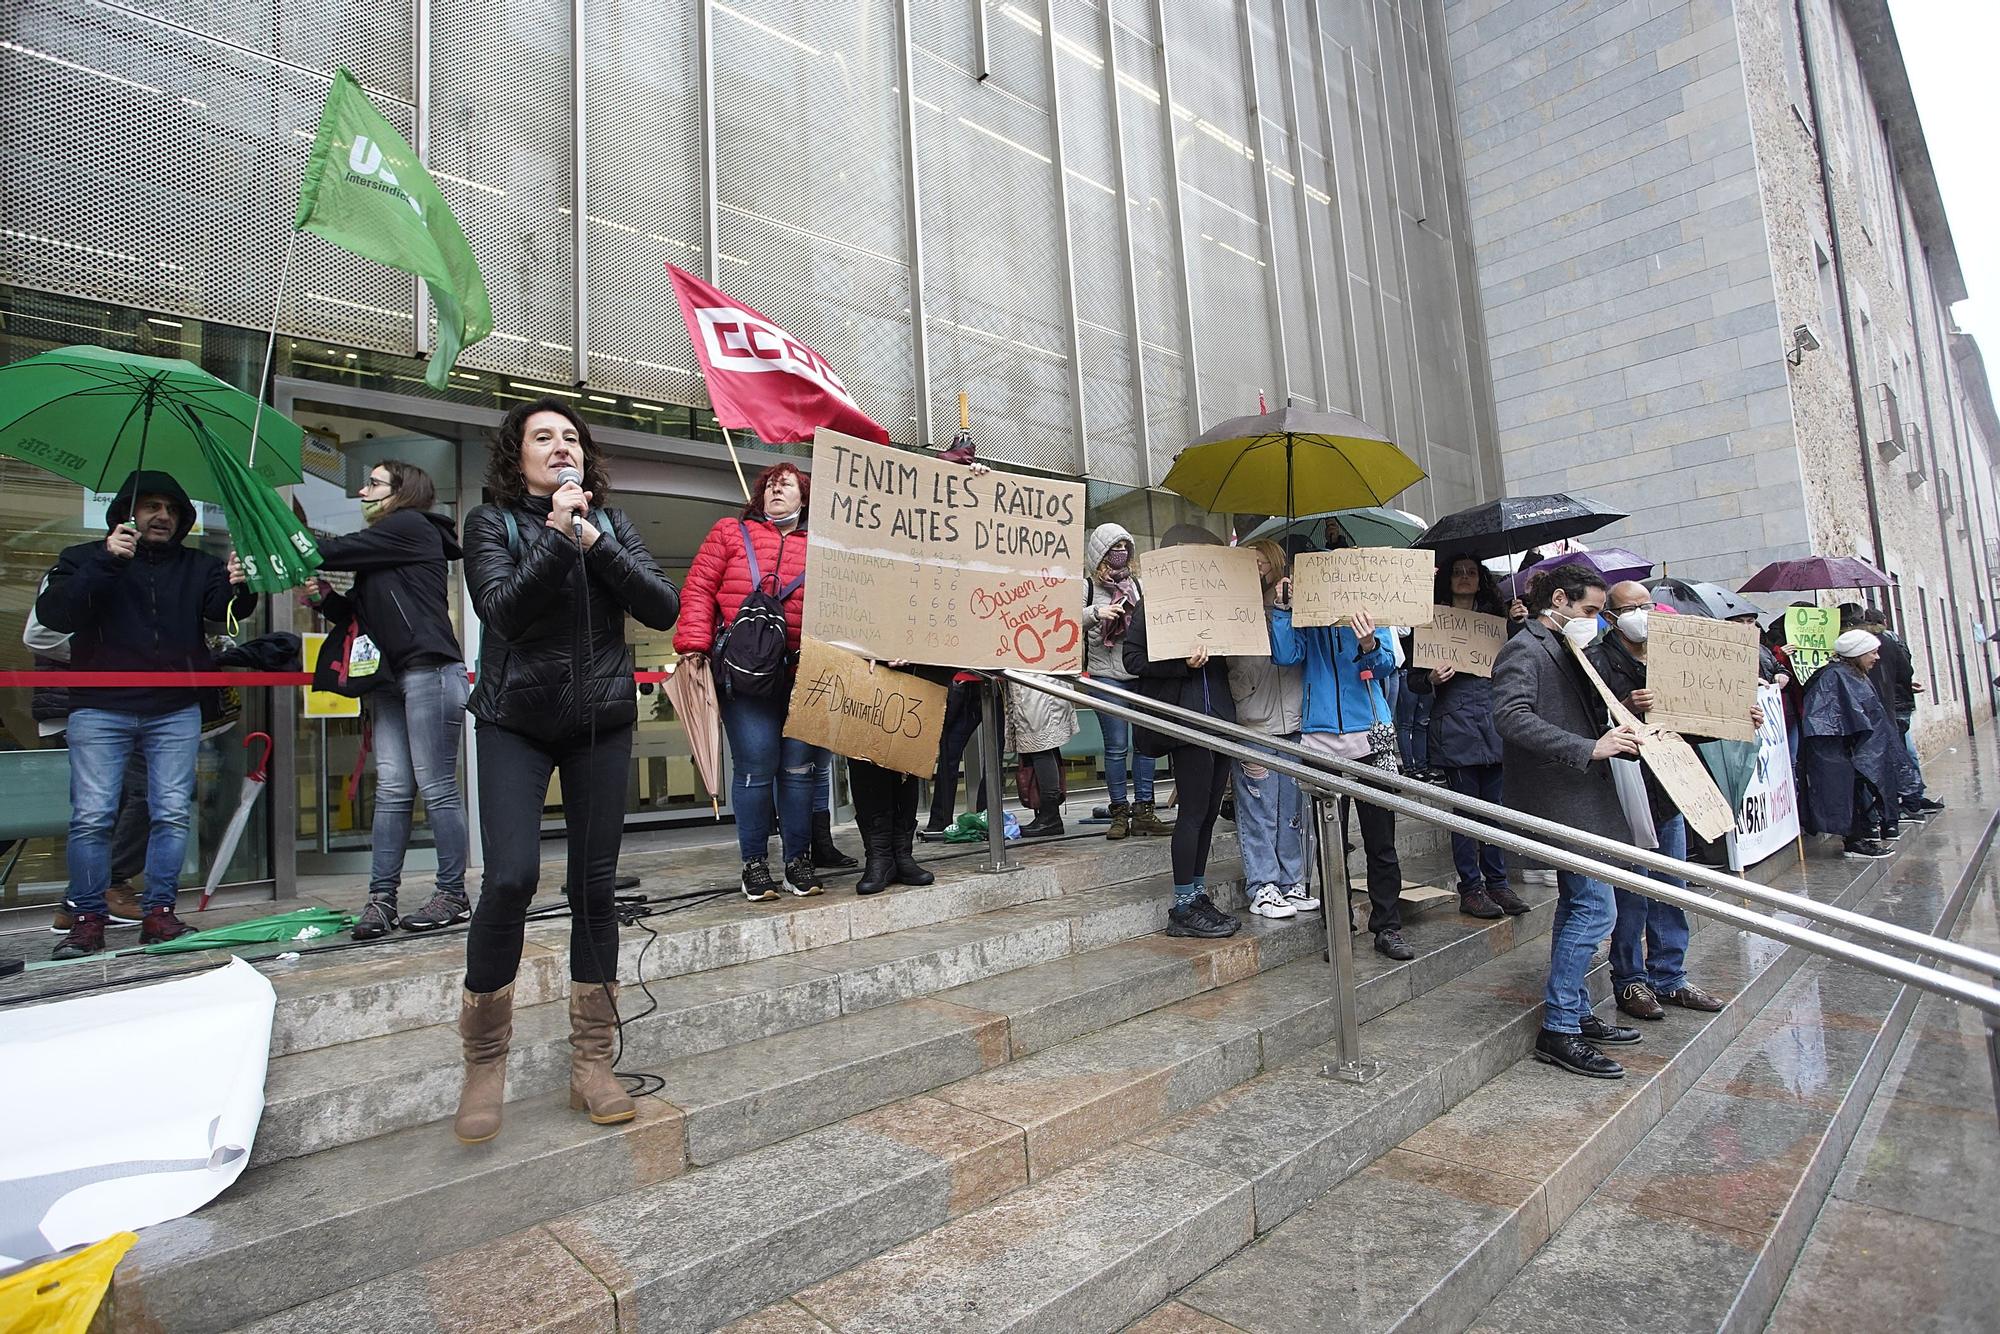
{"x":1731,"y":764}
{"x":304,"y":925}
{"x":1369,"y":526}
{"x":94,"y":416}
{"x":277,"y":551}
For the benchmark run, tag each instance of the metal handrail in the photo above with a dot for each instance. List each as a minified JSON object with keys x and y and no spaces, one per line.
{"x":1201,"y":730}
{"x":1886,"y":933}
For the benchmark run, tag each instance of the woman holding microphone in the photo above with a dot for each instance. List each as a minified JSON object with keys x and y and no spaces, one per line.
{"x":553,"y":576}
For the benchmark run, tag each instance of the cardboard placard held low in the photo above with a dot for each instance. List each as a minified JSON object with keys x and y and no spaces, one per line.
{"x":1703,"y":675}
{"x":1201,"y":596}
{"x":869,"y":713}
{"x":1465,"y":641}
{"x":1673,"y":762}
{"x":1394,"y":585}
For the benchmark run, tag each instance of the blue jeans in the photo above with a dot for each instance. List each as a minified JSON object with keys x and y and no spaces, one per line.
{"x":418,"y":716}
{"x":1413,"y":723}
{"x":823,"y":783}
{"x":1913,"y":780}
{"x":775,"y":777}
{"x":1649,"y":943}
{"x":1478,"y":863}
{"x":99,"y":741}
{"x":1270,"y":827}
{"x":1583,"y":917}
{"x":1118,"y":750}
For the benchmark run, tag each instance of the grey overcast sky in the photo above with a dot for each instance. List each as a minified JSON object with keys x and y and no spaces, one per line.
{"x":1949,"y":48}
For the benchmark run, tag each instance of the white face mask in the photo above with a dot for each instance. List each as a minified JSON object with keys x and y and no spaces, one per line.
{"x":1578,"y":630}
{"x":1632,"y":624}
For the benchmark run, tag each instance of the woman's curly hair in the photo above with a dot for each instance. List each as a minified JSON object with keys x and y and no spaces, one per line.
{"x":505,"y":482}
{"x":1487,"y":596}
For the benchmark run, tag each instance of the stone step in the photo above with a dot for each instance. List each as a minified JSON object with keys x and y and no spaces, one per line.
{"x":1076,"y":1095}
{"x":410,"y":982}
{"x":1425,"y":1237}
{"x":326,"y":1096}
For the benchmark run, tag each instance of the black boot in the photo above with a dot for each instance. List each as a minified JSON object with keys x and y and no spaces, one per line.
{"x":903,"y":834}
{"x":825,"y":855}
{"x":878,"y":871}
{"x":1048,"y":821}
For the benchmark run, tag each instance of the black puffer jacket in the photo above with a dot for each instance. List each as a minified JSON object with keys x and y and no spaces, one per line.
{"x":148,"y":613}
{"x":402,"y":585}
{"x":529,"y":605}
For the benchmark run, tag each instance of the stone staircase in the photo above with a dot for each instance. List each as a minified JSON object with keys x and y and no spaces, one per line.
{"x":998,"y":1102}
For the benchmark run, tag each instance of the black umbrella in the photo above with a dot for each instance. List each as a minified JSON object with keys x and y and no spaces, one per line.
{"x":1699,"y":599}
{"x":1516,"y":523}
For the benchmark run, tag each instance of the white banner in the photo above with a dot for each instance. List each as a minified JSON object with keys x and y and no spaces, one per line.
{"x":127,"y":1108}
{"x":1768,"y":820}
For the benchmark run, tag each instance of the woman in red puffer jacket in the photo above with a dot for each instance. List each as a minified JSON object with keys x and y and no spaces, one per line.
{"x":774,"y":776}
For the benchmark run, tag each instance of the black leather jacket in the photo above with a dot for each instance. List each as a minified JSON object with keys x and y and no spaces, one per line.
{"x":529,"y":598}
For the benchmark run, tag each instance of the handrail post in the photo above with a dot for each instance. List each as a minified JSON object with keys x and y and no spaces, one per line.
{"x":1993,"y":1059}
{"x":991,"y":752}
{"x":1337,"y":910}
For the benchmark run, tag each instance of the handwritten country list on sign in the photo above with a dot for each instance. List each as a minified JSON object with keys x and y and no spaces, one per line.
{"x":916,"y":559}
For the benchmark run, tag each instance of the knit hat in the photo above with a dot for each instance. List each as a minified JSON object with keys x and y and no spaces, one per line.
{"x":1855,"y":644}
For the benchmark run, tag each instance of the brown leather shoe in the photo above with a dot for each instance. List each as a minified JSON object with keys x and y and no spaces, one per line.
{"x":1637,"y":1000}
{"x":593,"y":1034}
{"x":1510,"y":903}
{"x":1691,"y":997}
{"x":485,"y":1027}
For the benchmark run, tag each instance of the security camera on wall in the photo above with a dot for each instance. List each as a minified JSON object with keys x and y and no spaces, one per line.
{"x":1804,"y":340}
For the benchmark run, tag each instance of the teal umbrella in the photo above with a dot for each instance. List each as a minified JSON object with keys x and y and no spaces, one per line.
{"x":1367,"y":526}
{"x":1731,"y":764}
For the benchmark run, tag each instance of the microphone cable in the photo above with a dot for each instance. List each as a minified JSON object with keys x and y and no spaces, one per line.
{"x":638,"y":1083}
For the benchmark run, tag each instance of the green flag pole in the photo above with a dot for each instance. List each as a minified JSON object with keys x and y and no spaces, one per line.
{"x":271,"y":343}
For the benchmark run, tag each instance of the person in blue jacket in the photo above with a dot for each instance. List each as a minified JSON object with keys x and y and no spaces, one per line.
{"x":1348,"y":717}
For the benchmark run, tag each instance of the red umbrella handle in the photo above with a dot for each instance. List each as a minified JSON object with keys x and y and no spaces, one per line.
{"x":257,"y":772}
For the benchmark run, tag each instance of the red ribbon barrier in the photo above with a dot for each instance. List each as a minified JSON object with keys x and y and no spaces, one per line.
{"x":86,"y":680}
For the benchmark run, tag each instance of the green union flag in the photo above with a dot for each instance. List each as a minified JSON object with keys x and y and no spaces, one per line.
{"x":366,"y":191}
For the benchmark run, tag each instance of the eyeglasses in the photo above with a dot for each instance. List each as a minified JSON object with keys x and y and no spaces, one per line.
{"x":376,"y":483}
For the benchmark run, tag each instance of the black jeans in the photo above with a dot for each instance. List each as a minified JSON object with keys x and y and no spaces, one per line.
{"x":1385,"y":870}
{"x":1201,"y":777}
{"x":961,"y":720}
{"x":513,"y":783}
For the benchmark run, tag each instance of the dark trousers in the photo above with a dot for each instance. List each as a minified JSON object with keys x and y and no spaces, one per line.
{"x":961,"y":720}
{"x":1048,"y":777}
{"x":1201,"y":777}
{"x":1385,"y":870}
{"x":884,"y":793}
{"x":513,"y":783}
{"x":1478,"y":863}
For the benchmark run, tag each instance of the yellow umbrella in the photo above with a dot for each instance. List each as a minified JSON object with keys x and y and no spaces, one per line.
{"x":1291,"y":462}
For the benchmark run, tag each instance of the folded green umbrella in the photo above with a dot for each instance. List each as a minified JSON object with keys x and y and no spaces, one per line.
{"x":305,"y":925}
{"x":1731,"y":764}
{"x":277,"y":551}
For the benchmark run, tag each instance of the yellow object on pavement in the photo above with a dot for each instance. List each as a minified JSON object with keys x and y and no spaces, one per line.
{"x":60,"y":1296}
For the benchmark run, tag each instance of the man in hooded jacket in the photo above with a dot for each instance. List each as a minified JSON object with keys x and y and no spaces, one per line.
{"x":139,"y":601}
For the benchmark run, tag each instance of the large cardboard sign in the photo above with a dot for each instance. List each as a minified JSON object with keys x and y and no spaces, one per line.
{"x":1200,"y":596}
{"x":1394,"y":585}
{"x":1769,"y":819}
{"x":1703,"y":675}
{"x":865,"y":712}
{"x":918,"y":560}
{"x":1809,"y":636}
{"x":1673,"y":761}
{"x":1465,"y":641}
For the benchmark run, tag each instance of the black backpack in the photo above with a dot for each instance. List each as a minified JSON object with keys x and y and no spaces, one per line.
{"x":753,"y":657}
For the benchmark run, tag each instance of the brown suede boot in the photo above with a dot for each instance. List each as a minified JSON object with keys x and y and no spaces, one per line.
{"x":1146,"y":824}
{"x":593,"y":1029}
{"x":485,"y":1026}
{"x":1121,"y":820}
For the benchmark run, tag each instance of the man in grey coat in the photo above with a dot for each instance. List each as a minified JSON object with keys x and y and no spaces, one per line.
{"x":1555,"y":748}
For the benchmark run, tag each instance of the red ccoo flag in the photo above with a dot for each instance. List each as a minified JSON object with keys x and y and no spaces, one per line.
{"x":760,"y":377}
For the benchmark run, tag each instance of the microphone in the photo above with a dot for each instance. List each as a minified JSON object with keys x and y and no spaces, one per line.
{"x":564,"y":476}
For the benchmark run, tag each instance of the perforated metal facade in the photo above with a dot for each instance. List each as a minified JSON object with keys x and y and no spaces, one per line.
{"x":1110,"y":227}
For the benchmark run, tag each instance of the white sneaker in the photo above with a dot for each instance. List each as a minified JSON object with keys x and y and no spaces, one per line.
{"x":1539,"y":877}
{"x":1296,"y":896}
{"x":1270,"y":901}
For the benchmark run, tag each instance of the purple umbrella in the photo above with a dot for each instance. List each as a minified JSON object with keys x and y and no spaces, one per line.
{"x":1614,"y":563}
{"x":1811,"y":572}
